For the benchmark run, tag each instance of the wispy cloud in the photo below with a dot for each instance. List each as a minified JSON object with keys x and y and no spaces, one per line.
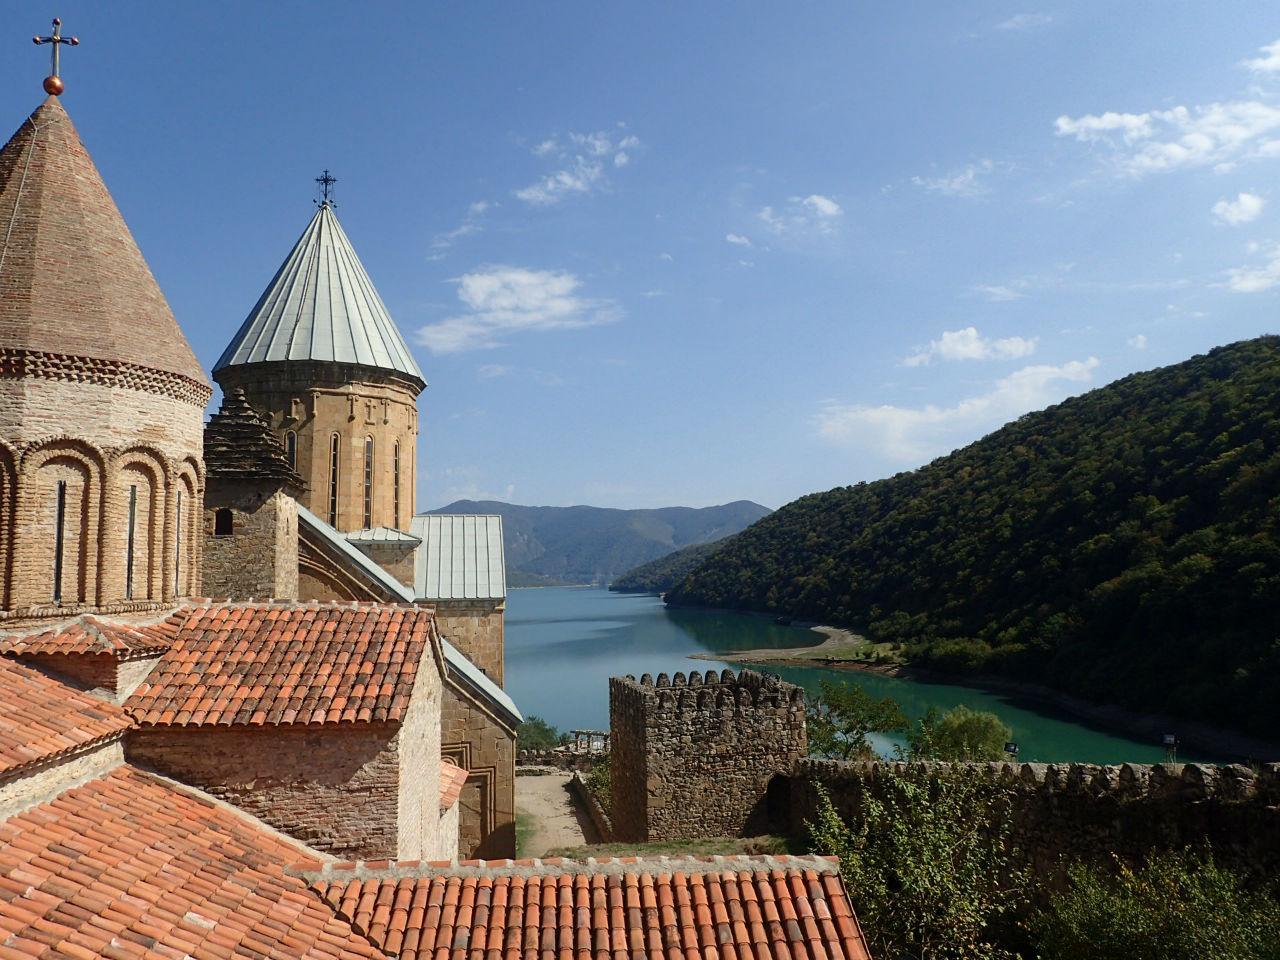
{"x":739,"y":240}
{"x":1256,"y":279}
{"x":470,"y":225}
{"x":814,"y":215}
{"x":581,"y":160}
{"x":997,"y":293}
{"x":495,"y":371}
{"x":1269,"y":62}
{"x":1024,"y":22}
{"x":1138,"y":341}
{"x":1218,"y":135}
{"x":964,"y":182}
{"x":1244,"y":209}
{"x":504,"y":300}
{"x":968,"y":344}
{"x":913,"y":435}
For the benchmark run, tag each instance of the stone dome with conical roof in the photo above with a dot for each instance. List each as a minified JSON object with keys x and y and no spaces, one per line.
{"x":320,"y":357}
{"x":101,"y":399}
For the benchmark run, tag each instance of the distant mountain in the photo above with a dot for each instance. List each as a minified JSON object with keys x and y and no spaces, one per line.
{"x":546,"y":545}
{"x":659,"y":576}
{"x":1123,"y":546}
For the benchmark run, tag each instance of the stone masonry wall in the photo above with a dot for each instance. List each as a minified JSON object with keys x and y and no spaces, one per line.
{"x":694,"y":757}
{"x":1067,"y":812}
{"x":259,"y":558}
{"x":335,"y":787}
{"x":476,"y":628}
{"x":474,"y":740}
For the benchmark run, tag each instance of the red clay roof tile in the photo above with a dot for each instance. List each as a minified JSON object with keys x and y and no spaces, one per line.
{"x":41,"y":718}
{"x":269,"y":664}
{"x":452,"y":777}
{"x":131,"y":866}
{"x":597,"y":908}
{"x":92,"y":635}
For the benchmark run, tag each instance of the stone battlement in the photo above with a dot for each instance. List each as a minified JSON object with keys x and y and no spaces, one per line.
{"x":706,"y":692}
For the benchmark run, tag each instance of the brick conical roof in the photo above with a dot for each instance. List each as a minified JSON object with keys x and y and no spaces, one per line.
{"x":72,"y":281}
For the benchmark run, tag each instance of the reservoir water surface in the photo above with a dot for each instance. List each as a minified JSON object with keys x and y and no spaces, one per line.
{"x":563,"y":644}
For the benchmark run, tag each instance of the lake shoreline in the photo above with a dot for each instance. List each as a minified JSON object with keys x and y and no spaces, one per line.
{"x":1143,"y":726}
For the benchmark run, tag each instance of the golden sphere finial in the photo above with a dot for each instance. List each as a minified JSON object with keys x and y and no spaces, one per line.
{"x":53,"y":86}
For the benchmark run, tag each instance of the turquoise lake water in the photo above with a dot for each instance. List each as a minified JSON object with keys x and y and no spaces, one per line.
{"x":563,"y":644}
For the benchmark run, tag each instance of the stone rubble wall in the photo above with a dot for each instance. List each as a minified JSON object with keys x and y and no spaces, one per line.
{"x":1067,"y":812}
{"x":693,"y":756}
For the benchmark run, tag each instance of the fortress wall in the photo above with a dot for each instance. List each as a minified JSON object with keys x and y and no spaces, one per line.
{"x":1067,"y":812}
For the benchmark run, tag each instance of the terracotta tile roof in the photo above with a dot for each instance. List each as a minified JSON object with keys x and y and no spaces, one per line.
{"x":721,"y":907}
{"x":269,"y":664}
{"x":129,"y":866}
{"x":41,"y":718}
{"x":93,"y":635}
{"x":452,"y":777}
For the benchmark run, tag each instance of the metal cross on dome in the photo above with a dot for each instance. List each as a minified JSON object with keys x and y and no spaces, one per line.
{"x":53,"y":83}
{"x":326,"y":186}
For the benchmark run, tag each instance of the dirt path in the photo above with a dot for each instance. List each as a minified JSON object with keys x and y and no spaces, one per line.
{"x":544,"y":803}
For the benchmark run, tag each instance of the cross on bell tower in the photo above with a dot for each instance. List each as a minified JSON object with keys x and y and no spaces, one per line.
{"x":326,"y":187}
{"x":53,"y":83}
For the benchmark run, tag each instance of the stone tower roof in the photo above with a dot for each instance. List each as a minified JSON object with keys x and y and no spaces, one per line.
{"x":321,"y":305}
{"x":239,"y":445}
{"x":72,"y":281}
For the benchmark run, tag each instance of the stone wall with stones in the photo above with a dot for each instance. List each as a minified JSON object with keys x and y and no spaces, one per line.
{"x":693,"y":757}
{"x":258,"y":558}
{"x":1066,"y":812}
{"x":335,"y":787}
{"x":480,"y":743}
{"x":476,"y":628}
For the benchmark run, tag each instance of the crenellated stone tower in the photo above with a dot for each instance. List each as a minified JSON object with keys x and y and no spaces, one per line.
{"x":695,"y":757}
{"x":320,"y":357}
{"x":101,"y":398}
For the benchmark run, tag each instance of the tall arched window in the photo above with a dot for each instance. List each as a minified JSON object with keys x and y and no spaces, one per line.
{"x":333,"y":480}
{"x":395,"y":476}
{"x":291,"y":448}
{"x":368,"y":482}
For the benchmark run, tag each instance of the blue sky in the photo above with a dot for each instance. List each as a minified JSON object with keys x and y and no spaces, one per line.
{"x":654,"y":254}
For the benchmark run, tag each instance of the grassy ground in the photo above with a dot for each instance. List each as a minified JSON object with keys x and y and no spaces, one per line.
{"x":524,"y":830}
{"x":710,"y":847}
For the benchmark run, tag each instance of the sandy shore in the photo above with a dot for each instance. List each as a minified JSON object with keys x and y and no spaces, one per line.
{"x":836,"y":639}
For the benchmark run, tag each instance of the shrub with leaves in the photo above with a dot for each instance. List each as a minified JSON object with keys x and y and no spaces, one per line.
{"x":926,"y":863}
{"x":534,"y":733}
{"x":1177,"y":906}
{"x":959,"y":734}
{"x":600,"y":782}
{"x":842,"y":718}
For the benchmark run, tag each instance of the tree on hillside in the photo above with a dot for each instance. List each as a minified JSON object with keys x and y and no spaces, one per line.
{"x":842,"y":717}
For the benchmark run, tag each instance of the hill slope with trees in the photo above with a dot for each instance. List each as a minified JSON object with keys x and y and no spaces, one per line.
{"x":658,"y":576}
{"x":1121,"y":545}
{"x":548,"y":545}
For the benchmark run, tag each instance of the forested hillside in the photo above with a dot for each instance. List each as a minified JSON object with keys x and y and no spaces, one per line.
{"x":1121,"y":545}
{"x":658,"y":576}
{"x":547,"y":545}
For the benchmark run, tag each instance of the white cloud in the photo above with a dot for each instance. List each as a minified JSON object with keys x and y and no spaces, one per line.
{"x":1218,"y":135}
{"x":913,"y":435}
{"x":739,"y":240}
{"x":821,"y":206}
{"x":581,"y":165}
{"x":997,"y":293}
{"x":665,"y":256}
{"x":503,"y":300}
{"x":1025,"y":21}
{"x":959,"y":183}
{"x":968,"y":344}
{"x":1138,"y":341}
{"x":491,"y":371}
{"x":1256,"y":279}
{"x":470,"y":224}
{"x":804,"y":216}
{"x":1245,"y":208}
{"x":1269,"y":62}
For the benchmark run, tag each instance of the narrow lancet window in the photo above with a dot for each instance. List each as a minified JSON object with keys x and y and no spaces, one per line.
{"x":177,"y":553}
{"x":333,"y":481}
{"x":128,"y":551}
{"x":291,"y":448}
{"x":395,"y":472}
{"x":59,"y":537}
{"x":368,"y":482}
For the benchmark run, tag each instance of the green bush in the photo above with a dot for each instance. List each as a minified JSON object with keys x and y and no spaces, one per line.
{"x":534,"y":733}
{"x":600,"y":782}
{"x":1178,"y":906}
{"x":841,"y":718}
{"x":959,"y":734}
{"x":926,"y":864}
